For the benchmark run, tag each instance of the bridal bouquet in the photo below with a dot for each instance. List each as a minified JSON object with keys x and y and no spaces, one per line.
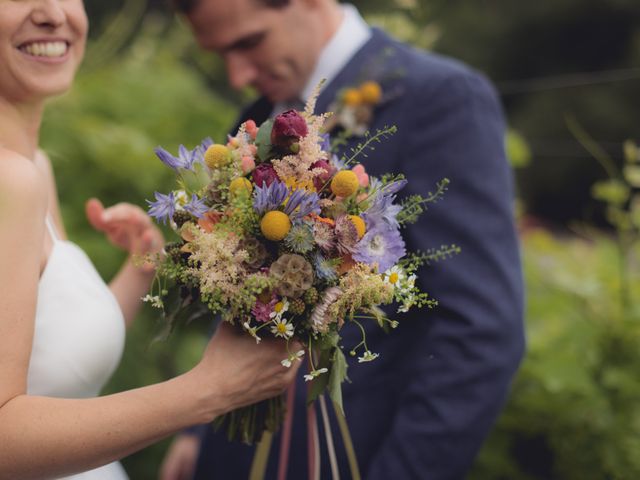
{"x":282,"y":238}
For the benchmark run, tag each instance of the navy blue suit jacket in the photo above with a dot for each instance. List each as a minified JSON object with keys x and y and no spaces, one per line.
{"x":422,"y":410}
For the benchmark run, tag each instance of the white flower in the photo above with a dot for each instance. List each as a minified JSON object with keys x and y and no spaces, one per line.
{"x":282,"y":328}
{"x":155,"y":300}
{"x":408,"y":285}
{"x":368,"y":357}
{"x":252,"y":331}
{"x":287,"y":362}
{"x":394,"y":276}
{"x":181,"y":199}
{"x":279,"y":309}
{"x":314,"y":373}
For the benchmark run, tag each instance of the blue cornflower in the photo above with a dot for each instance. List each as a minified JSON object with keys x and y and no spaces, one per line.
{"x":196,"y":206}
{"x":301,"y":203}
{"x":266,"y":198}
{"x":185,"y":159}
{"x":382,"y":245}
{"x":323,"y":267}
{"x":325,"y":144}
{"x":163,"y":208}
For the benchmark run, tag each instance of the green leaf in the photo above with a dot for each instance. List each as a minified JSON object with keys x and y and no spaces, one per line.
{"x":263,"y":140}
{"x":337,"y":375}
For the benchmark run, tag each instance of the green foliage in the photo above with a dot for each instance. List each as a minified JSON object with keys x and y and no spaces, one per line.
{"x":573,"y":412}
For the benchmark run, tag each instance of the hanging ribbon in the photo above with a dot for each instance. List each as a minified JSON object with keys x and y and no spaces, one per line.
{"x":333,"y":460}
{"x":261,"y":457}
{"x":285,"y":441}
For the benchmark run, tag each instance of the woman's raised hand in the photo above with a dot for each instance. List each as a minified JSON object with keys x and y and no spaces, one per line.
{"x":243,"y":372}
{"x":126,"y":226}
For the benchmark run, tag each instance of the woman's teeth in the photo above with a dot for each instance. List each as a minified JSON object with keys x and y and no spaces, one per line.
{"x":45,"y":49}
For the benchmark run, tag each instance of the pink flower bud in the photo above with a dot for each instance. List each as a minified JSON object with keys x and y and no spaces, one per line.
{"x":288,"y":127}
{"x":251,"y":128}
{"x":363,"y":177}
{"x":247,"y":164}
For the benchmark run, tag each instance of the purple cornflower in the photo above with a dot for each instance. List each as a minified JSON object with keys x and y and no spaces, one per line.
{"x":185,"y":159}
{"x":301,"y":203}
{"x":382,"y":210}
{"x":196,"y":206}
{"x":270,"y":197}
{"x":163,"y":208}
{"x":382,"y":245}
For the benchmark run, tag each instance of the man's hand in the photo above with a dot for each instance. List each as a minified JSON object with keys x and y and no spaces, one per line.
{"x":180,"y":460}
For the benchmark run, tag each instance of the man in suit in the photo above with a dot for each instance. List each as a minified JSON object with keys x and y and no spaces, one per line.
{"x":423,"y":409}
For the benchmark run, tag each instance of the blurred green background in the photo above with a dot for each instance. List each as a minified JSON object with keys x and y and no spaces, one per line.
{"x":568,"y":72}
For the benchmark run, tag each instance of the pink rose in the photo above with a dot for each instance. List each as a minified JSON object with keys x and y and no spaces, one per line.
{"x":288,"y":128}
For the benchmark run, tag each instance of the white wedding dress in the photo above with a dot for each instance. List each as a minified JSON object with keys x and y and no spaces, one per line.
{"x":79,"y":334}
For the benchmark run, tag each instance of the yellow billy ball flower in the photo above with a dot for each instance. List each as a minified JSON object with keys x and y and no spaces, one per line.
{"x":344,"y":183}
{"x":217,"y":156}
{"x":371,"y":92}
{"x":352,"y":97}
{"x":275,"y":225}
{"x":358,"y":222}
{"x":239,"y":185}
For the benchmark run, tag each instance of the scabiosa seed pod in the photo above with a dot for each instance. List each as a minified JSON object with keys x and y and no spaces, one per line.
{"x":293,"y":275}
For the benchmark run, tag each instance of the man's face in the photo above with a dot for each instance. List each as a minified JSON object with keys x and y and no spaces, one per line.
{"x":272,"y":50}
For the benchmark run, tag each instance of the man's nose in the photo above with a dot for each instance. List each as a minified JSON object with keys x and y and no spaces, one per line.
{"x":48,"y":13}
{"x":240,"y":71}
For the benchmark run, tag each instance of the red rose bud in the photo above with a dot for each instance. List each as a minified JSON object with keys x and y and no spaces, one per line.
{"x":288,"y":127}
{"x":264,"y":173}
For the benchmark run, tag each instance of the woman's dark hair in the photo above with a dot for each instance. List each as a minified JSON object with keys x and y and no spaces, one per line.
{"x":186,"y":6}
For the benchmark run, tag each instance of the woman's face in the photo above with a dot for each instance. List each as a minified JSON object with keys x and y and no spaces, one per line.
{"x":41,"y":46}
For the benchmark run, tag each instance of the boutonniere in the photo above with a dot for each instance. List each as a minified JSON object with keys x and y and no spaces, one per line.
{"x":353,"y":108}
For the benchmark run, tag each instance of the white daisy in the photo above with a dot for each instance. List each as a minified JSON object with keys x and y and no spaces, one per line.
{"x":279,"y":309}
{"x":394,"y":276}
{"x":282,"y":328}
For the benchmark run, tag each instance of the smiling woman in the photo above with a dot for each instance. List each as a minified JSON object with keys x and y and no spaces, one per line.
{"x":62,"y":326}
{"x":42,"y":46}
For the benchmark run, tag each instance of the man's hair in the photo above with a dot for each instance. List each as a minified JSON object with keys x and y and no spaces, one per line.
{"x":187,"y":6}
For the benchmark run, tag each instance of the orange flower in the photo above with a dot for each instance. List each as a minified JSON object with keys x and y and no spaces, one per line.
{"x":209,"y":220}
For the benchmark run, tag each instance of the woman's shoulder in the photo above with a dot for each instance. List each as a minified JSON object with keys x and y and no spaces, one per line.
{"x":22,"y":184}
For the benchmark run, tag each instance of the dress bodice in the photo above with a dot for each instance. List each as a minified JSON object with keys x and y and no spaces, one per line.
{"x":79,"y":333}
